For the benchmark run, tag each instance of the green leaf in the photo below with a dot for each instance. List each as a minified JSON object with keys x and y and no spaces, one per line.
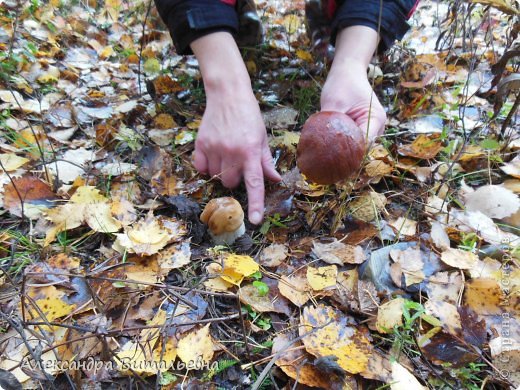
{"x":263,"y":289}
{"x":490,"y":144}
{"x":257,"y":276}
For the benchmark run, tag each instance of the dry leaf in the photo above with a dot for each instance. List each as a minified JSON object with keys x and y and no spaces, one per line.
{"x":424,"y":147}
{"x":444,"y":286}
{"x":402,"y":379}
{"x":236,"y":267}
{"x":11,"y":162}
{"x":367,"y":207}
{"x":447,"y":314}
{"x":484,"y":296}
{"x":338,"y":253}
{"x":390,"y":314}
{"x":439,"y":236}
{"x":295,"y":288}
{"x":196,"y":345}
{"x":404,"y":226}
{"x":326,"y":332}
{"x":249,"y":295}
{"x":146,"y":237}
{"x":273,"y":255}
{"x":323,"y":277}
{"x":512,"y":168}
{"x":410,"y":264}
{"x":295,"y":362}
{"x":493,"y":201}
{"x":378,"y":168}
{"x":32,"y":190}
{"x":459,"y":258}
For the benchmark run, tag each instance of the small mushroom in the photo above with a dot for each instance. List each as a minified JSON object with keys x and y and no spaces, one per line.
{"x":225,"y":219}
{"x":331,"y":147}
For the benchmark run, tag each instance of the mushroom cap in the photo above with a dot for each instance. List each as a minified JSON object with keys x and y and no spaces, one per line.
{"x":331,"y":147}
{"x":222,"y":215}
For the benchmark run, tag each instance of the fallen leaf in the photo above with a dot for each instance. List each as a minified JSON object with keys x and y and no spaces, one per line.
{"x":494,"y":201}
{"x":512,"y":168}
{"x":505,"y":353}
{"x":444,"y":286}
{"x":424,"y":147}
{"x":338,"y":253}
{"x":273,"y":255}
{"x":295,"y":288}
{"x":404,"y":226}
{"x":484,"y":296}
{"x":31,"y":190}
{"x":295,"y":362}
{"x":250,"y":295}
{"x":378,"y":168}
{"x":402,"y":379}
{"x":195,"y":346}
{"x":389,"y":315}
{"x":146,"y":237}
{"x":410,"y":263}
{"x":175,"y":256}
{"x":326,"y":332}
{"x":11,"y":162}
{"x":447,"y":314}
{"x":439,"y":236}
{"x":236,"y":267}
{"x":459,"y":258}
{"x":322,"y":278}
{"x":368,"y":206}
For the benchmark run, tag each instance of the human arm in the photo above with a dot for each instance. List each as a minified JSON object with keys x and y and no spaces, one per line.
{"x":358,"y":28}
{"x":232,"y":139}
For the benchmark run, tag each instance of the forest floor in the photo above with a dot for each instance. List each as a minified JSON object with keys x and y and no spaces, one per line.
{"x":405,"y":277}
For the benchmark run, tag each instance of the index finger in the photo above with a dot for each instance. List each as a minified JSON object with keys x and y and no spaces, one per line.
{"x":254,"y":179}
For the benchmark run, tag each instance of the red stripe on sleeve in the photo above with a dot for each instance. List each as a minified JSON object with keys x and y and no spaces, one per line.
{"x":229,"y":2}
{"x":413,"y":9}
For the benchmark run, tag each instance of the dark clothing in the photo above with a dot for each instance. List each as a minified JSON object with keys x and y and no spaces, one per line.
{"x":192,"y":19}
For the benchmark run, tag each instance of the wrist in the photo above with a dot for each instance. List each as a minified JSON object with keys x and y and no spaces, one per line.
{"x":356,"y":45}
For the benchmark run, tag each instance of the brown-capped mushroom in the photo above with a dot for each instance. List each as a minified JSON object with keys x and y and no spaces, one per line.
{"x":225,"y":220}
{"x":331,"y":147}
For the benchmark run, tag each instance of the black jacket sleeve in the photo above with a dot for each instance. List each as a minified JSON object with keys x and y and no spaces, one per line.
{"x":188,"y":20}
{"x":390,"y":15}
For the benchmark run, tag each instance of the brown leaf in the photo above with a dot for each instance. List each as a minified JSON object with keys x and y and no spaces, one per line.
{"x":338,"y":253}
{"x":31,"y":190}
{"x":295,"y":362}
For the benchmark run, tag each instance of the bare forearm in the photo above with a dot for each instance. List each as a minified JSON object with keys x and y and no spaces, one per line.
{"x":221,"y":65}
{"x":355,"y":44}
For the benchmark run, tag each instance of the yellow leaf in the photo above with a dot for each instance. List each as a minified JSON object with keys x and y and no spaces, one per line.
{"x":295,"y":288}
{"x":107,"y":52}
{"x":377,"y":168}
{"x":304,"y":55}
{"x":146,"y":237}
{"x":100,"y":219}
{"x":322,"y":277}
{"x":291,"y":23}
{"x":236,"y":267}
{"x":326,"y":332}
{"x":87,"y":195}
{"x":11,"y":162}
{"x":196,"y":346}
{"x":218,"y":284}
{"x":49,"y":302}
{"x":389,"y":315}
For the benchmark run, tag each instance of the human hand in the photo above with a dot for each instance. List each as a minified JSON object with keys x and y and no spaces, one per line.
{"x":232,"y":141}
{"x":232,"y":144}
{"x":347,"y":88}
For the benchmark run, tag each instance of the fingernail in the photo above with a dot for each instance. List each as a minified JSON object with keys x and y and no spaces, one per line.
{"x":256,"y":218}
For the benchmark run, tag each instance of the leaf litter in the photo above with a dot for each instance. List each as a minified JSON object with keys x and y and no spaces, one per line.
{"x":406,"y":277}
